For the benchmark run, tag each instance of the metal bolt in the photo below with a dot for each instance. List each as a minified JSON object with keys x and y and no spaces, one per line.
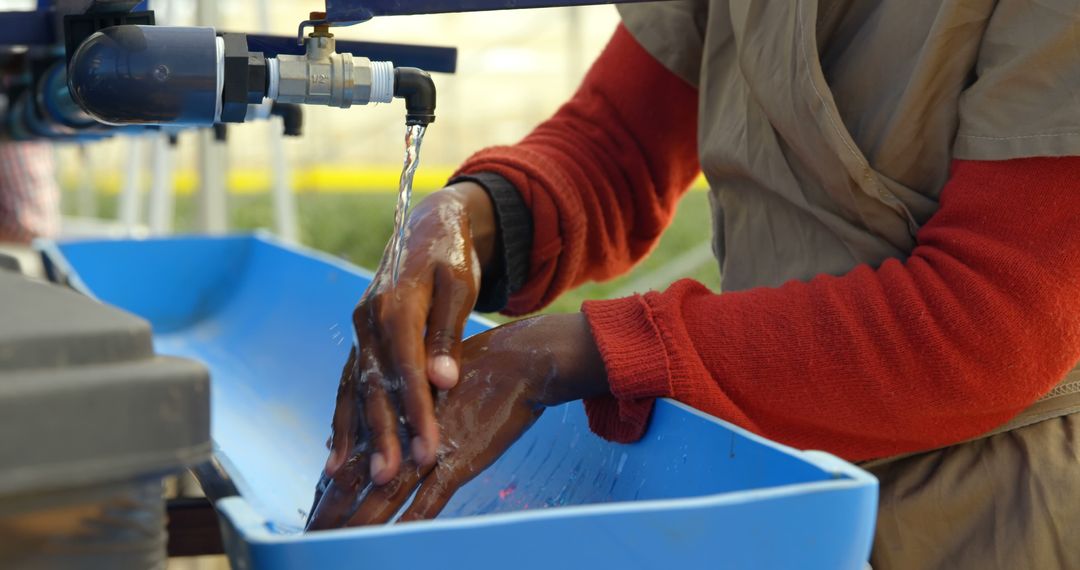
{"x":322,"y":29}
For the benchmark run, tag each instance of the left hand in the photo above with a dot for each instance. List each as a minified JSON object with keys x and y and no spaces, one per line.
{"x":409,"y":334}
{"x":510,"y":374}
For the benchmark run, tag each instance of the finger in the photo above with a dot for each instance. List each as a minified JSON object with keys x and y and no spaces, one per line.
{"x":454,"y":297}
{"x":406,"y":328}
{"x":320,"y":489}
{"x":381,"y":418}
{"x":346,"y":417}
{"x":341,"y":494}
{"x":383,"y":501}
{"x":436,"y":490}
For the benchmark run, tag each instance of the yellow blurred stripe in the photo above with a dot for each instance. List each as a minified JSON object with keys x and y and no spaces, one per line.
{"x":317,"y":179}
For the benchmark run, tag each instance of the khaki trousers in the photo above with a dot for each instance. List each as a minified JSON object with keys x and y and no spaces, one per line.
{"x":1009,"y":501}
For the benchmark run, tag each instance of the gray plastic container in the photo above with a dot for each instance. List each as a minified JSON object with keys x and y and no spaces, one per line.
{"x":91,"y":420}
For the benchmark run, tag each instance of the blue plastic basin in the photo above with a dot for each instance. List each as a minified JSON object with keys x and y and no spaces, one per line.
{"x":272,"y":323}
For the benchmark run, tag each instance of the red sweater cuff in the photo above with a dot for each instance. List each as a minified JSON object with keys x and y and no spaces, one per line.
{"x":637,"y":364}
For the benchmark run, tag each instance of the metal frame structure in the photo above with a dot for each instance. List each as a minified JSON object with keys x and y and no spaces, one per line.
{"x":39,"y":28}
{"x":345,"y":11}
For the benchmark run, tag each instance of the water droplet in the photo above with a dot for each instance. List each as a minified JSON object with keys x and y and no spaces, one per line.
{"x":507,"y":491}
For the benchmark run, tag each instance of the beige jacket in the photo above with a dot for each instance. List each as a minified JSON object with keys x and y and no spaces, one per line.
{"x":826,"y":131}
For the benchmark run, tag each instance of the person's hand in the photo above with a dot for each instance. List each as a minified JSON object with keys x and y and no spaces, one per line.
{"x":511,"y":374}
{"x":409,"y":335}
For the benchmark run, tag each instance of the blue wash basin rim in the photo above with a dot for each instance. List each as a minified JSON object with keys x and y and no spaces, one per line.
{"x":255,"y":530}
{"x":845,"y":476}
{"x":51,"y":249}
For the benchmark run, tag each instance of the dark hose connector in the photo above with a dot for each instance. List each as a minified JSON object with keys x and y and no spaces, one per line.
{"x":292,"y":116}
{"x":416,"y":87}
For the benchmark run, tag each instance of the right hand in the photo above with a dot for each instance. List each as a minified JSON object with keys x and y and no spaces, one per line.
{"x":409,"y":335}
{"x":511,"y":374}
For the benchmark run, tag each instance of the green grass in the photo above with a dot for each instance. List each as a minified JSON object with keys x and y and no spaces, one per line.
{"x":357,"y":226}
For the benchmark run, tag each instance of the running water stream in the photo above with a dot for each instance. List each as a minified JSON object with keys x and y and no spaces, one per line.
{"x":414,"y":137}
{"x":395,"y":250}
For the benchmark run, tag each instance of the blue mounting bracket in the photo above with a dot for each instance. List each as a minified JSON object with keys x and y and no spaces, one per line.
{"x":352,"y":11}
{"x":40,"y":27}
{"x":27,"y":28}
{"x":428,"y":58}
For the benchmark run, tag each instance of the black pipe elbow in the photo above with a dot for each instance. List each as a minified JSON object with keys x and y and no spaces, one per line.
{"x":292,"y":116}
{"x":417,"y":88}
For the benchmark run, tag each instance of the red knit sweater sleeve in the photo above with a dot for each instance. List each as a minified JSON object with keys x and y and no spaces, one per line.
{"x":979,"y":321}
{"x":603,"y":175}
{"x":982,"y":319}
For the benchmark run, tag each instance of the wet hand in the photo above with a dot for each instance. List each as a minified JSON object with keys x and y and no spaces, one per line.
{"x":409,"y":336}
{"x":510,"y":374}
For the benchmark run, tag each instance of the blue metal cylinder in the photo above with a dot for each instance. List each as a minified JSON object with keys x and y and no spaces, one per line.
{"x":149,"y":75}
{"x":55,"y":103}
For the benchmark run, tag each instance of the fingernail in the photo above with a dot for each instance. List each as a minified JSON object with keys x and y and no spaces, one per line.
{"x":333,"y":463}
{"x":378,"y":464}
{"x":446,"y":368}
{"x":419,"y":451}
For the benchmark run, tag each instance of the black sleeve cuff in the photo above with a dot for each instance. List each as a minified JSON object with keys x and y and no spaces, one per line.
{"x":509,"y":267}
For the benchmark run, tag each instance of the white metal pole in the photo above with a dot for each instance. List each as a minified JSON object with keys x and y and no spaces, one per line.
{"x":212,"y":196}
{"x":285,"y":217}
{"x":284,"y":201}
{"x":161,"y":187}
{"x":86,"y":205}
{"x":130,"y":207}
{"x":680,"y":266}
{"x":575,"y":47}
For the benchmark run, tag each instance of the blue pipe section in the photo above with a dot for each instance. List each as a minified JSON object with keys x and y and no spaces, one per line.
{"x":345,"y":11}
{"x":147,"y":75}
{"x":429,"y":58}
